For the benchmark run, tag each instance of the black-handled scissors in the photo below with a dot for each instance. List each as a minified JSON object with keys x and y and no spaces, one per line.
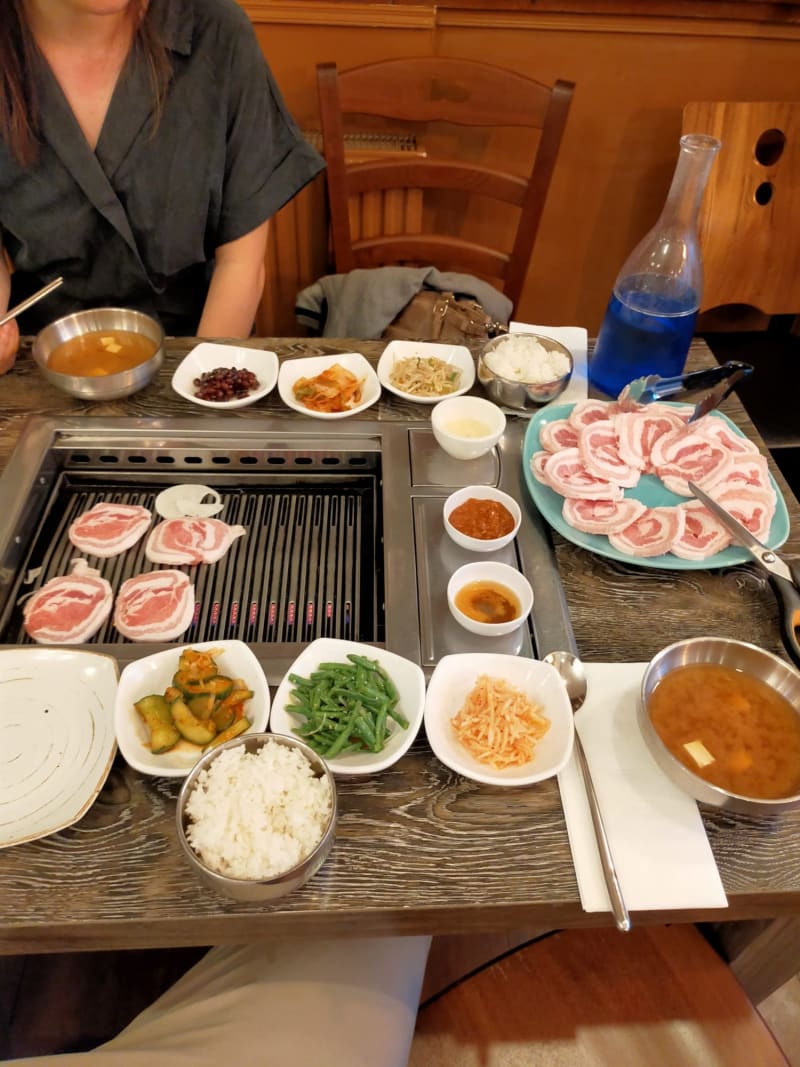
{"x":784,"y":577}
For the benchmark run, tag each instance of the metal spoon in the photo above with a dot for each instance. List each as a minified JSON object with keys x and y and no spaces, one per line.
{"x":571,"y":670}
{"x":32,"y":299}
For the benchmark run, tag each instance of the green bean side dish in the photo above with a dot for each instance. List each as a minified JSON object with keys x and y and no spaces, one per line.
{"x":345,"y":707}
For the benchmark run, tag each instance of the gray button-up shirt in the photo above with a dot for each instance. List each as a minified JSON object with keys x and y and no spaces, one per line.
{"x":136,"y":222}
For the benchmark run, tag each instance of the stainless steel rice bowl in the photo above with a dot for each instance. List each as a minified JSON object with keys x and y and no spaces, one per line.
{"x":278,"y":885}
{"x":522,"y":395}
{"x":738,"y":655}
{"x":102,"y":386}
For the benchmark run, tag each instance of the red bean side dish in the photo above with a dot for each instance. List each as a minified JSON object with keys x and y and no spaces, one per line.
{"x":225,"y":383}
{"x":484,"y":519}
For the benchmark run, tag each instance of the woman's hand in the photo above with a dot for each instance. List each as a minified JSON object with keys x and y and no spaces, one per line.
{"x":9,"y":343}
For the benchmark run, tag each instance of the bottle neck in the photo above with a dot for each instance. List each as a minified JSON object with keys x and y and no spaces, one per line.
{"x":689,"y":181}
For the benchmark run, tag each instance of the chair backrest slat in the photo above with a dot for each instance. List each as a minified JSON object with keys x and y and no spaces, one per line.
{"x":447,"y":91}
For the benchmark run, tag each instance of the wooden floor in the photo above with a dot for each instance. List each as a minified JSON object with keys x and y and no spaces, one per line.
{"x":41,"y":997}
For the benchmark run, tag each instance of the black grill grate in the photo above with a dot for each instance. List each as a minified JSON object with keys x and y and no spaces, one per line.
{"x":308,"y":566}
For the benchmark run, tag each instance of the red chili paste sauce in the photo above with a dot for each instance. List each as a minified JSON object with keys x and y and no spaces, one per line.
{"x":484,"y":519}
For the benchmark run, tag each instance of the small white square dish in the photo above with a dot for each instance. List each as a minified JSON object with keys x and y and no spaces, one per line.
{"x":57,"y":729}
{"x":211,"y":355}
{"x":419,"y":377}
{"x":151,"y":675}
{"x":455,"y":677}
{"x":292,"y":370}
{"x":406,"y":677}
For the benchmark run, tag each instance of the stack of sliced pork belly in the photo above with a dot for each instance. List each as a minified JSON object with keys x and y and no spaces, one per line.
{"x":601,"y":451}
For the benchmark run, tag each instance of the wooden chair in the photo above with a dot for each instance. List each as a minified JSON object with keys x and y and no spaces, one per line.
{"x":655,"y":997}
{"x":462,"y":94}
{"x":750,"y":216}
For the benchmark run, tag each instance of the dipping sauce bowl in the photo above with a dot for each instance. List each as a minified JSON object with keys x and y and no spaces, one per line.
{"x":467,"y":426}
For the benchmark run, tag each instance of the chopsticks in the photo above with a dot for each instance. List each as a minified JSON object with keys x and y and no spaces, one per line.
{"x":34,"y":298}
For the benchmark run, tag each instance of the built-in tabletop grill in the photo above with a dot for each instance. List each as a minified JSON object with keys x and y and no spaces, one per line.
{"x":344,"y":529}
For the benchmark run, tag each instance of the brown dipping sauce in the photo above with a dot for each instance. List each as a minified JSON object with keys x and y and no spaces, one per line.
{"x":483,"y":519}
{"x":487,"y":602}
{"x":750,"y":730}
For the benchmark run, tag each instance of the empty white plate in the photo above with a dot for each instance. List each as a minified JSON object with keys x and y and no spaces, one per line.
{"x":209,"y":355}
{"x":458,"y":357}
{"x":291,"y":370}
{"x":56,"y":738}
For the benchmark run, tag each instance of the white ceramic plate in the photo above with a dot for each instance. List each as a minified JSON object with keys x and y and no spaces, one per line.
{"x":310,"y":366}
{"x":56,"y":738}
{"x":406,"y":676}
{"x":152,"y":674}
{"x":458,"y":356}
{"x":451,"y":682}
{"x":209,"y":355}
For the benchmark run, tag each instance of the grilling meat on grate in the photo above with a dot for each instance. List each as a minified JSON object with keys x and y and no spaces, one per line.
{"x":188,"y":540}
{"x":108,"y":529}
{"x":156,"y":606}
{"x":70,"y":609}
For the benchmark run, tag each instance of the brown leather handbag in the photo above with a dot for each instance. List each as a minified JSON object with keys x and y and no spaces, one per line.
{"x":444,"y":317}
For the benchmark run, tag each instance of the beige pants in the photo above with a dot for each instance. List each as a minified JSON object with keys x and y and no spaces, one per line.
{"x":347,"y":1003}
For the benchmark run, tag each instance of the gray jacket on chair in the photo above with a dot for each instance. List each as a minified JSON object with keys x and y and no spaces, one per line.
{"x":362,"y":303}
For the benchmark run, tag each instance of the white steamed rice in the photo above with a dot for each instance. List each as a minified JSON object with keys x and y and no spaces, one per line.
{"x":524,"y":359}
{"x":257,"y":814}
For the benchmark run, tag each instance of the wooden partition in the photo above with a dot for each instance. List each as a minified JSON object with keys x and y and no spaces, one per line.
{"x":635,"y":66}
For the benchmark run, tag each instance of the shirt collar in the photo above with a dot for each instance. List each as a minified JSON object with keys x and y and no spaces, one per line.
{"x":175,"y":22}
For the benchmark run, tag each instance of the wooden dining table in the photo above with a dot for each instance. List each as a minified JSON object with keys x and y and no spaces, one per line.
{"x":419,"y":849}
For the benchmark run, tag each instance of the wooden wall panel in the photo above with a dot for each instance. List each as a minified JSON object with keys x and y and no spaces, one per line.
{"x":633,"y":74}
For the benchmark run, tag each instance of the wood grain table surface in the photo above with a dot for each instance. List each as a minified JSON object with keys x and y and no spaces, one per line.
{"x":418,"y":848}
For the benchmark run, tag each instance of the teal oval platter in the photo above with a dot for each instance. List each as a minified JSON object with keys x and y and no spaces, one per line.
{"x":651,"y":491}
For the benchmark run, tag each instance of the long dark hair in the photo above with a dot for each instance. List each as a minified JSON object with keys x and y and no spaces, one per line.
{"x":19,"y":106}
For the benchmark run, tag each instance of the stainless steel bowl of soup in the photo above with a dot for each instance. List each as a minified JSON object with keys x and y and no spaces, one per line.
{"x":722,"y":719}
{"x":100,"y":353}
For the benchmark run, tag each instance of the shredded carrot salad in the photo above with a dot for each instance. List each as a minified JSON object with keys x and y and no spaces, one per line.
{"x":498,"y":724}
{"x":335,"y":389}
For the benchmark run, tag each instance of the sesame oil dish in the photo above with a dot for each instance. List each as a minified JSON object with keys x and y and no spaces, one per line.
{"x":487,"y":601}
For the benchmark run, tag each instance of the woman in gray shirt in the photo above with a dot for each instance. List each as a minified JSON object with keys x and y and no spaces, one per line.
{"x":144,"y":145}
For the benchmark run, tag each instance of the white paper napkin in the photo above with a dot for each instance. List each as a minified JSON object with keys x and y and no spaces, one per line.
{"x":657,"y":837}
{"x":576,"y":339}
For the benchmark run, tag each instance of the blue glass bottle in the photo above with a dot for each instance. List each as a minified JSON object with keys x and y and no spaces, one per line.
{"x":649,"y":322}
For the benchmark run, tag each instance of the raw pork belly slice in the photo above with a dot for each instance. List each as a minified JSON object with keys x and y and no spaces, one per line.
{"x":599,"y":449}
{"x":652,"y":534}
{"x":753,"y":507}
{"x":70,"y":609}
{"x":716,"y":428}
{"x":683,"y":458}
{"x":557,"y":434}
{"x":565,"y":472}
{"x":588,"y":411}
{"x":538,"y":464}
{"x":703,"y":534}
{"x":602,"y":516}
{"x":156,"y":606}
{"x":746,"y":469}
{"x":108,"y":529}
{"x":190,"y":541}
{"x":638,"y":432}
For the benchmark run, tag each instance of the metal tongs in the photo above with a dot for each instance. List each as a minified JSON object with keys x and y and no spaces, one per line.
{"x":720,"y":380}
